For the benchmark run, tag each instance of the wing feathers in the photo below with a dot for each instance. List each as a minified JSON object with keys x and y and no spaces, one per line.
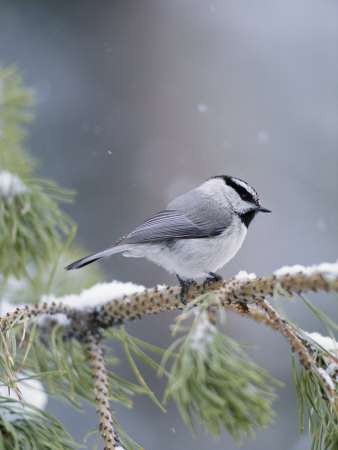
{"x":169,"y":224}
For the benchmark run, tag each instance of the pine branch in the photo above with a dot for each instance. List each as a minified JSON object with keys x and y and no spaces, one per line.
{"x":238,"y":296}
{"x":31,"y":311}
{"x":246,"y":297}
{"x":233,"y":295}
{"x":296,"y":343}
{"x":101,"y":387}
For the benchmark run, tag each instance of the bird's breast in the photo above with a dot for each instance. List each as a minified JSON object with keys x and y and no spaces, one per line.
{"x":195,"y":258}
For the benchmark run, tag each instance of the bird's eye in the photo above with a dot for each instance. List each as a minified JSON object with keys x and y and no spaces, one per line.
{"x":246,"y":197}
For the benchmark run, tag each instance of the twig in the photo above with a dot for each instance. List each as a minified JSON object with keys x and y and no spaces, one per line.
{"x":296,"y":343}
{"x":101,"y":387}
{"x":37,"y":309}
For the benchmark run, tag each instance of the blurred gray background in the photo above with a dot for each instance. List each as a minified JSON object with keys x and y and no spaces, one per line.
{"x":139,"y":101}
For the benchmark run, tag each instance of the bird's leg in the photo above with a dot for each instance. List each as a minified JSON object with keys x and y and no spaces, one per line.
{"x":184,"y":287}
{"x":212,"y":279}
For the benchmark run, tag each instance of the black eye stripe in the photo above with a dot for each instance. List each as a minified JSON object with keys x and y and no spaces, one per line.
{"x":241,"y":191}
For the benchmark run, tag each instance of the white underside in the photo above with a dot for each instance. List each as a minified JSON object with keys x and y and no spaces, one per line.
{"x":193,"y":258}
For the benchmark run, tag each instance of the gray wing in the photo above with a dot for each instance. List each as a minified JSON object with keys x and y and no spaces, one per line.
{"x":170,"y":224}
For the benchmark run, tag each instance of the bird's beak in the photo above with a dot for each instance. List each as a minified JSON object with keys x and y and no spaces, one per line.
{"x":264,"y":210}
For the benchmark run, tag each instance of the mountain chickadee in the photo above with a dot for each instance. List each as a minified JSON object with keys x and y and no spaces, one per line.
{"x":196,"y":235}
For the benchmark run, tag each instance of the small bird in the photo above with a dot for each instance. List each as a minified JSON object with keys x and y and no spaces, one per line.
{"x":196,"y":235}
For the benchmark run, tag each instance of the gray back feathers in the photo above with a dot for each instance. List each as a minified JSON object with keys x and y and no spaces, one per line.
{"x":199,"y":213}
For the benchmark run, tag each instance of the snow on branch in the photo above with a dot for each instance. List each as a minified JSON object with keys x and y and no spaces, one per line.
{"x":10,"y":185}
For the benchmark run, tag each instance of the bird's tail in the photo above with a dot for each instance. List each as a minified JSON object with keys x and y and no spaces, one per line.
{"x":94,"y":257}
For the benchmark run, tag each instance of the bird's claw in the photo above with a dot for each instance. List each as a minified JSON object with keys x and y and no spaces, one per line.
{"x":212,"y":279}
{"x":185,"y":284}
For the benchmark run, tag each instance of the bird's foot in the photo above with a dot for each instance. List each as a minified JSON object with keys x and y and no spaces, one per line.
{"x":185,"y":284}
{"x":212,"y":279}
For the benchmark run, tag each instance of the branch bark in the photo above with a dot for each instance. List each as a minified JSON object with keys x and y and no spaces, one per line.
{"x":101,"y":388}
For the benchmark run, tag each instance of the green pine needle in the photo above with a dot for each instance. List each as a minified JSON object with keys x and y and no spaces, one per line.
{"x":216,"y":383}
{"x":314,"y":401}
{"x":23,"y":426}
{"x":31,"y":225}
